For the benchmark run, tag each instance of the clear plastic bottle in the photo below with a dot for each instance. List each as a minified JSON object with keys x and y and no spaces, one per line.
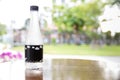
{"x":34,"y":47}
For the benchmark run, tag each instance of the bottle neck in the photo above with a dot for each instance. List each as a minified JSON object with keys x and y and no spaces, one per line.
{"x":34,"y":19}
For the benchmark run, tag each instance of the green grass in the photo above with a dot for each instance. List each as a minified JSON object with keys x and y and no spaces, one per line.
{"x":78,"y":50}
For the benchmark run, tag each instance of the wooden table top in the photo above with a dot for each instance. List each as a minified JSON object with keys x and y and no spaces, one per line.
{"x":78,"y":69}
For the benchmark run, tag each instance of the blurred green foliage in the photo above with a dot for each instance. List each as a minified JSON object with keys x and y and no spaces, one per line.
{"x":113,"y":2}
{"x":74,"y":18}
{"x":2,"y":29}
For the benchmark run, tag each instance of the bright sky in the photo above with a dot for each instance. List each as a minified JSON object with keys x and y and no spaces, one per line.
{"x":112,"y":15}
{"x":13,"y":10}
{"x":18,"y":10}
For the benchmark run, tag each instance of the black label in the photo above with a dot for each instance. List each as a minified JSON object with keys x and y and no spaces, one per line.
{"x":34,"y":53}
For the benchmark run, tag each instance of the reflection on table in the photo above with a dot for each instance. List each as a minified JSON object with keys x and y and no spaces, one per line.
{"x":34,"y":74}
{"x":79,"y":69}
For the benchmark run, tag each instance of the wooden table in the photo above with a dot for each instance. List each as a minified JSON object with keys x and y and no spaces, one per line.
{"x":78,"y":69}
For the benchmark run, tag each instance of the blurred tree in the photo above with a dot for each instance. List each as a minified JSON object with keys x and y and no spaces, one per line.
{"x":117,"y":38}
{"x":113,"y":2}
{"x":108,"y":38}
{"x":2,"y":29}
{"x":74,"y":18}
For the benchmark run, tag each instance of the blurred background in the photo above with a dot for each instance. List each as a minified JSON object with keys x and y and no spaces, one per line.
{"x":82,"y":27}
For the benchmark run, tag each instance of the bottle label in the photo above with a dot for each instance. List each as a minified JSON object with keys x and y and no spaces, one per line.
{"x":33,"y":53}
